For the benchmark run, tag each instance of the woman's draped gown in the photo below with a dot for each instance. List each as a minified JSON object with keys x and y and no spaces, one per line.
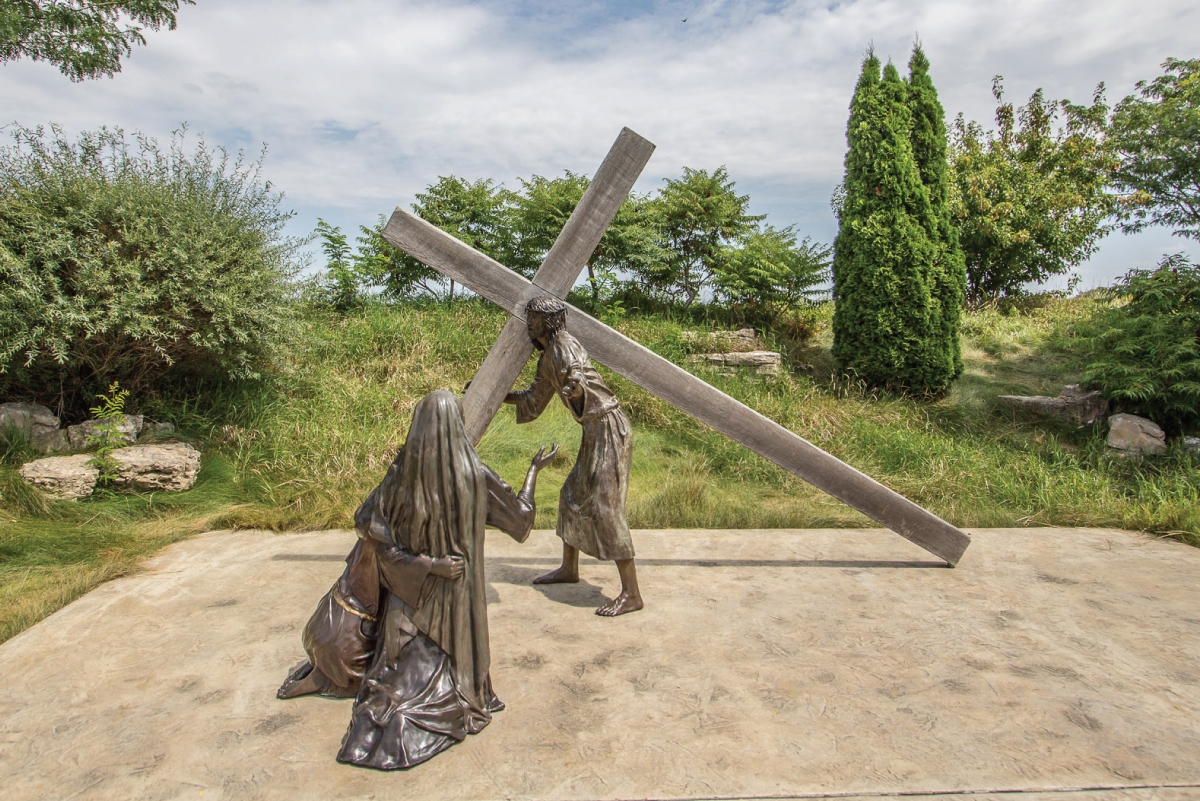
{"x":415,"y":645}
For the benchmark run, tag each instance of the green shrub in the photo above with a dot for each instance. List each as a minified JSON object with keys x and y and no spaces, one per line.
{"x":1031,"y":199}
{"x":119,"y":262}
{"x":888,"y":328}
{"x":1144,"y":354}
{"x":948,"y":274}
{"x":108,"y":437}
{"x":769,"y":267}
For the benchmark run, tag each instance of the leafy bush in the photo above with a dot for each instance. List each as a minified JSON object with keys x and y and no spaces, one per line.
{"x":1158,"y":136}
{"x":1144,"y":353}
{"x":349,"y":278}
{"x":379,"y":263}
{"x":771,"y":267}
{"x":698,"y":217}
{"x":108,"y":437}
{"x":119,"y":262}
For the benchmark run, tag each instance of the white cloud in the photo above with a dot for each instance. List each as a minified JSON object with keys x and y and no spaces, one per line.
{"x":364,"y":102}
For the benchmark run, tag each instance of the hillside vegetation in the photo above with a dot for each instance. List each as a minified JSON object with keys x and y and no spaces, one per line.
{"x":302,"y":455}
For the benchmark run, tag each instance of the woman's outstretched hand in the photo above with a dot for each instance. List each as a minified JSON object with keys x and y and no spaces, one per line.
{"x":448,"y":567}
{"x":543,"y":458}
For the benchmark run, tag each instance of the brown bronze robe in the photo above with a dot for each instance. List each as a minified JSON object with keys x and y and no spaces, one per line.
{"x":591,"y":504}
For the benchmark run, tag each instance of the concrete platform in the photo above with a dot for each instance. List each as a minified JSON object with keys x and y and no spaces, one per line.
{"x":1051,"y":664}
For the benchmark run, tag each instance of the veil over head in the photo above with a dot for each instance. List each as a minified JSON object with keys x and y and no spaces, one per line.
{"x":439,"y":491}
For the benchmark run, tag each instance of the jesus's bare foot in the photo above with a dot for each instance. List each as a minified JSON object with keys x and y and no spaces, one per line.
{"x":568,"y":573}
{"x":563,"y":575}
{"x":625,"y":602}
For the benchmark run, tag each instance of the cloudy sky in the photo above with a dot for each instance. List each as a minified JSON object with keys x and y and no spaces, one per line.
{"x":363,"y":103}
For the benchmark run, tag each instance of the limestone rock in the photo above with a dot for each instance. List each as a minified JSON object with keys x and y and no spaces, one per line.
{"x":158,"y":466}
{"x":762,"y":362}
{"x":158,"y":429}
{"x":84,"y":434}
{"x":739,"y":341}
{"x":1073,"y":405}
{"x":1192,"y":444}
{"x":62,"y":476}
{"x":55,"y":441}
{"x":1136,"y":435}
{"x":33,"y":421}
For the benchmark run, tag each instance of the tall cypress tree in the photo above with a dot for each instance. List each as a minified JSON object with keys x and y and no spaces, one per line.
{"x":883,"y":331}
{"x":948,"y":275}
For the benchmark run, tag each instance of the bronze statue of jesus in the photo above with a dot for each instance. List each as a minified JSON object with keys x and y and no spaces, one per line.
{"x":591,"y":505}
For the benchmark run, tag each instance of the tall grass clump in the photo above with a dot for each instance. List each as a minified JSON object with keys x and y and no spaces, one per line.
{"x":52,"y":552}
{"x":302,"y":452}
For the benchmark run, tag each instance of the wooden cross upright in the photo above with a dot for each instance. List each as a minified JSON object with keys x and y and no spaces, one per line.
{"x":556,"y":276}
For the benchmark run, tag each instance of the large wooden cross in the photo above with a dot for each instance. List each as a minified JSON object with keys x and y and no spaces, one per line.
{"x":556,"y":276}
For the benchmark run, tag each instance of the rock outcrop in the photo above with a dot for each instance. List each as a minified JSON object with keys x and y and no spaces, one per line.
{"x":157,"y":429}
{"x":740,"y":351}
{"x":170,"y":466}
{"x":85,"y":434}
{"x":738,"y":341}
{"x":36,"y":423}
{"x":1074,"y":405}
{"x":760,"y":362}
{"x":65,"y":477}
{"x":1133,"y":435}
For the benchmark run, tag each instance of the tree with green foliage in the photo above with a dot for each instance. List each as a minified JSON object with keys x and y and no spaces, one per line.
{"x":698,"y":217}
{"x":630,"y":243}
{"x":83,"y":38}
{"x":1030,"y":200}
{"x":1143,"y":352}
{"x":883,"y":329}
{"x":1157,"y":134}
{"x":947,"y":277}
{"x":349,"y":277}
{"x":479,"y":214}
{"x":401,"y":276}
{"x":541,"y":209}
{"x":122,"y":262}
{"x":769,"y":268}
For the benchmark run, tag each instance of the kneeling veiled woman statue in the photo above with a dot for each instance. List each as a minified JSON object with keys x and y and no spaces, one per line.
{"x":405,"y":630}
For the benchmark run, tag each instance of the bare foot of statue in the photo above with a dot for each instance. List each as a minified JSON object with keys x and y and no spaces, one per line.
{"x":561,"y":575}
{"x":625,"y":602}
{"x":568,"y":573}
{"x":303,"y":680}
{"x":630,"y":599}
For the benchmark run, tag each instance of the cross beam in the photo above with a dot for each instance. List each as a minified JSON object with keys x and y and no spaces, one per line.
{"x":492,"y":280}
{"x":561,"y":268}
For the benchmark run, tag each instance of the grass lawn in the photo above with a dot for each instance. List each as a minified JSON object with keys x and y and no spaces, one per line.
{"x":303,"y":456}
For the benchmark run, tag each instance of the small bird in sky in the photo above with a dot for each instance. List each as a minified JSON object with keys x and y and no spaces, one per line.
{"x":683,"y":20}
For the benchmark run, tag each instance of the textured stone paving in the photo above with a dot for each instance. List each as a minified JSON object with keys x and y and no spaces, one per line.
{"x":1050,"y":664}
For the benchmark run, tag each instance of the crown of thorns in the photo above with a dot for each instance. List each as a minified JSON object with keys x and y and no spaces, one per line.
{"x":552,"y":310}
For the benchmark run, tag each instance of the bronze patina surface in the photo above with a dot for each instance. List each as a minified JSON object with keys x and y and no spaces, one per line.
{"x":591,"y":505}
{"x":404,"y":629}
